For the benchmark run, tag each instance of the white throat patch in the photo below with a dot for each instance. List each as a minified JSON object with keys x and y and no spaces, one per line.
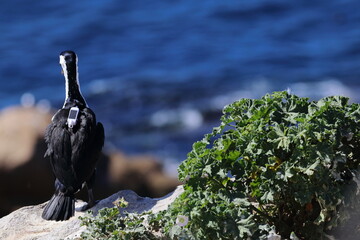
{"x":64,"y":69}
{"x":65,"y":72}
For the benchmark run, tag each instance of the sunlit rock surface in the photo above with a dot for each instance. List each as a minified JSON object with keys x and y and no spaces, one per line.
{"x":26,"y":223}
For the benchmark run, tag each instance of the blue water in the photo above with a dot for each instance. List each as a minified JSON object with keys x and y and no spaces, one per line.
{"x":158,"y":73}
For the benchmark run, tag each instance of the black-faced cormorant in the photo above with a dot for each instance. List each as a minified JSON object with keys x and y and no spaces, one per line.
{"x":74,"y":142}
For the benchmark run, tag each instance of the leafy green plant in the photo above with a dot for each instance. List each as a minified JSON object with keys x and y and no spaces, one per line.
{"x":277,"y":161}
{"x":110,"y":224}
{"x":280,"y":164}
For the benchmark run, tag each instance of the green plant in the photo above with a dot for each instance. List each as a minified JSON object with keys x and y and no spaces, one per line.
{"x":279,"y":164}
{"x":277,"y":161}
{"x":110,"y":224}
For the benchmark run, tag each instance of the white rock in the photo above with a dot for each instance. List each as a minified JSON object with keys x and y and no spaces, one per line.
{"x":26,"y":223}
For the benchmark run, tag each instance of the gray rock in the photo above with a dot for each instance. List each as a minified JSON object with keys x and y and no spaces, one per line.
{"x":26,"y":223}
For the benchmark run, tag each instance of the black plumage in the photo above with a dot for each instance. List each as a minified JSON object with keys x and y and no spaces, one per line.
{"x":73,"y":150}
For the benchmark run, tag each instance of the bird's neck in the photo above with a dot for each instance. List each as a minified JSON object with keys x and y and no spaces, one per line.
{"x":72,"y":88}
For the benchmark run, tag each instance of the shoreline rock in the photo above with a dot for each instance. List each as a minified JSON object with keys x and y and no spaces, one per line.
{"x":26,"y":223}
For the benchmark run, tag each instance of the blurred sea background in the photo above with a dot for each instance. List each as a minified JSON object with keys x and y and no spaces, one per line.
{"x":158,"y":73}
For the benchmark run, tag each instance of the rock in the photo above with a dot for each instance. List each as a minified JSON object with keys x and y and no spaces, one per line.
{"x":26,"y":223}
{"x":21,"y":129}
{"x":26,"y":177}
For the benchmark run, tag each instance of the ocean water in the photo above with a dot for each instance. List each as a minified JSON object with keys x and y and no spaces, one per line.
{"x":158,"y":73}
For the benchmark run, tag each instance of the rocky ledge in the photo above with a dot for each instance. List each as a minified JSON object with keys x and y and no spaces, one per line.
{"x":26,"y":223}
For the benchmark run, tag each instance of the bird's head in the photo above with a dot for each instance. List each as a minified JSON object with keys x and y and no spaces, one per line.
{"x":68,"y":62}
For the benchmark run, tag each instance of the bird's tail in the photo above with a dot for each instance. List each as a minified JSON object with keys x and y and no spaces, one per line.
{"x":60,"y":207}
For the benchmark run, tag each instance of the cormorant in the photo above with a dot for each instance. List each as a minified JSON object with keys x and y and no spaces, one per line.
{"x":74,"y":142}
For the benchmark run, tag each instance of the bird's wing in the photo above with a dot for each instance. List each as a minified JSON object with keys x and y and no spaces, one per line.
{"x":59,"y":149}
{"x":100,"y":136}
{"x":82,"y":139}
{"x":87,"y":143}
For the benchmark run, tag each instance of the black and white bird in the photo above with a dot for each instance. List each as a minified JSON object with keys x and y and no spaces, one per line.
{"x":74,"y":143}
